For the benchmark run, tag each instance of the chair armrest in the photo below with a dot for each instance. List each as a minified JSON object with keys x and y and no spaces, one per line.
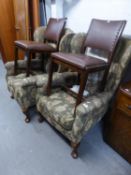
{"x":41,"y":80}
{"x":89,"y":112}
{"x":58,"y":79}
{"x":10,"y":66}
{"x":27,"y":81}
{"x":35,"y":64}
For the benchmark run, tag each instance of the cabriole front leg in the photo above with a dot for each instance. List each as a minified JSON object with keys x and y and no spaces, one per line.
{"x":74,"y":152}
{"x":41,"y":118}
{"x":26,"y":112}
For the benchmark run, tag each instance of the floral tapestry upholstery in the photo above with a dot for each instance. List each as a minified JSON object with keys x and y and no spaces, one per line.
{"x":60,"y":106}
{"x":36,"y":63}
{"x":24,"y":90}
{"x":90,"y":111}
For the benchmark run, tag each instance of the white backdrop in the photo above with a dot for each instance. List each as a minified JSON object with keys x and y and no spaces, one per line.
{"x":80,"y":12}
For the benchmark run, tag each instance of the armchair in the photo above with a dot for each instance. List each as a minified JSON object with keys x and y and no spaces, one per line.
{"x":58,"y":108}
{"x":97,"y":40}
{"x":23,"y":88}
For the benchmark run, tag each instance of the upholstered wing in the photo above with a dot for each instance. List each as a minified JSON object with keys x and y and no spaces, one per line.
{"x":93,"y":109}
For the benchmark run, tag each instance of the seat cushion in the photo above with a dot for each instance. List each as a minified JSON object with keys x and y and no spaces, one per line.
{"x":35,"y":46}
{"x":59,"y":107}
{"x":79,"y":60}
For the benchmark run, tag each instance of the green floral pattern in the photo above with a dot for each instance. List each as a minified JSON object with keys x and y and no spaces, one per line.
{"x":60,"y":106}
{"x":89,"y":112}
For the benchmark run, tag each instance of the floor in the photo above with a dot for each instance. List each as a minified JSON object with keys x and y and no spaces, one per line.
{"x":36,"y":149}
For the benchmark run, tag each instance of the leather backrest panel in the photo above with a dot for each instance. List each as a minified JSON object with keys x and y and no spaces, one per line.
{"x":54,"y":29}
{"x":104,"y":34}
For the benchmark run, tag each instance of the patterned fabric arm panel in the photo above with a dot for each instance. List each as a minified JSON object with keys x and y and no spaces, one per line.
{"x":25,"y":96}
{"x":25,"y":81}
{"x":37,"y":80}
{"x":13,"y":82}
{"x":41,"y":80}
{"x":88,"y":113}
{"x":58,"y":79}
{"x":35,"y":63}
{"x":10,"y":67}
{"x":25,"y":90}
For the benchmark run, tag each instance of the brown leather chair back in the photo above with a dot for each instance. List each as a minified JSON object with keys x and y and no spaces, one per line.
{"x":104,"y":35}
{"x":54,"y":30}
